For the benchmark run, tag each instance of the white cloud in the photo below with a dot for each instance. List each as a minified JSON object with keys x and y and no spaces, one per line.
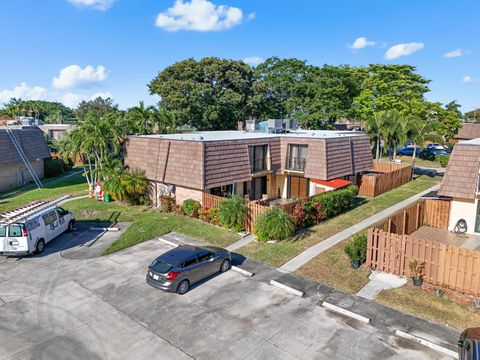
{"x":454,"y":53}
{"x":399,"y":50}
{"x":104,"y":95}
{"x":361,"y":42}
{"x":199,"y":15}
{"x":71,"y":99}
{"x":74,"y":76}
{"x":253,"y":60}
{"x":468,"y":79}
{"x":251,"y":16}
{"x":102,"y":5}
{"x":25,"y":92}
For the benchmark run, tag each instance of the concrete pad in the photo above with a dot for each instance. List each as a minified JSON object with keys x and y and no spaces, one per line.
{"x":381,"y":281}
{"x":241,"y":243}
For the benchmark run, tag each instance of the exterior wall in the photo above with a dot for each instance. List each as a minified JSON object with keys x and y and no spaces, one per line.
{"x":18,"y":175}
{"x":463,"y":209}
{"x":182,"y":194}
{"x":228,"y":161}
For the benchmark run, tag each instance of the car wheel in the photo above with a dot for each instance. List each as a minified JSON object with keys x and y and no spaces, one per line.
{"x":70,"y":226}
{"x":183,"y":287}
{"x":225,"y":266}
{"x":40,"y":246}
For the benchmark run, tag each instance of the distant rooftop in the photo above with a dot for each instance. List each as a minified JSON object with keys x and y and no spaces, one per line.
{"x":240,"y":135}
{"x":474,"y":142}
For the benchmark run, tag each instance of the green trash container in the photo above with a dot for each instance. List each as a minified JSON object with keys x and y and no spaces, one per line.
{"x":107,"y":198}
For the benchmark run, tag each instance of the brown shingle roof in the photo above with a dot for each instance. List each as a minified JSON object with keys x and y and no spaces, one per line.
{"x":460,"y":180}
{"x":468,"y":131}
{"x":29,"y":138}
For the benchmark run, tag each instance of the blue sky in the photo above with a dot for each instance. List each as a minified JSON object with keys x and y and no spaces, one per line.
{"x":115,"y":47}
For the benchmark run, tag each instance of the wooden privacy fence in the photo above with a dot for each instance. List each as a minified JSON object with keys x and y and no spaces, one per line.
{"x":253,"y":209}
{"x":384,"y":177}
{"x":431,"y":212}
{"x":446,"y":266}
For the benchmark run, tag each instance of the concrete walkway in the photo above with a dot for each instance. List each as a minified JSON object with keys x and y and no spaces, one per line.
{"x":242,"y":242}
{"x":317,"y":249}
{"x":380,"y":281}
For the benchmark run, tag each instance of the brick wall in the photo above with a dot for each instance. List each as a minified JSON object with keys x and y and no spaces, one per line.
{"x":182,"y":194}
{"x":11,"y":176}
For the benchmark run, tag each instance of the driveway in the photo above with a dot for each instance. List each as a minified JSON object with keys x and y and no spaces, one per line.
{"x":52,"y":307}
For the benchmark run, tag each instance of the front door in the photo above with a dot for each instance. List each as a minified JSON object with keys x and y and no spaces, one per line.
{"x":256,"y":188}
{"x":298,"y":187}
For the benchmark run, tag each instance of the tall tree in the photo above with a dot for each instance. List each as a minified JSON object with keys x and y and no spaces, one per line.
{"x":142,"y":118}
{"x":387,"y":87}
{"x":210,"y":94}
{"x":99,"y":107}
{"x":47,"y":111}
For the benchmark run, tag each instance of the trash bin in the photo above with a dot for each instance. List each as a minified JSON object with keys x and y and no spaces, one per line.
{"x":107,"y":197}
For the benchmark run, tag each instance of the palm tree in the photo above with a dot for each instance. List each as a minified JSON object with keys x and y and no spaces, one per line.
{"x":374,"y":126}
{"x":142,"y":118}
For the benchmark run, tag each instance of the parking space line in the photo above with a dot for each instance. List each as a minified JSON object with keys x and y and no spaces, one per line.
{"x":168,"y":242}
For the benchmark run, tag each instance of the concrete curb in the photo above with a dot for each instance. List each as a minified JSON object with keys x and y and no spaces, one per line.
{"x":346,"y":312}
{"x":286,"y":288}
{"x":242,"y":271}
{"x":426,"y":343}
{"x":104,"y":228}
{"x":168,"y":242}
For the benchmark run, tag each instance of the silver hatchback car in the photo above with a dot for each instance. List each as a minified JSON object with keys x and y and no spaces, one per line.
{"x":179,"y":268}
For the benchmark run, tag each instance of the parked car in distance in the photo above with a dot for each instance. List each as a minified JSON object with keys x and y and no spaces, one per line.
{"x":408,"y":151}
{"x":433,"y":150}
{"x":469,"y":344}
{"x":178,"y":269}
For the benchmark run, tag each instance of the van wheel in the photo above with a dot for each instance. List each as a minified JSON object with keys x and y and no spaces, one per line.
{"x":70,"y":226}
{"x":40,"y":246}
{"x":182,"y":288}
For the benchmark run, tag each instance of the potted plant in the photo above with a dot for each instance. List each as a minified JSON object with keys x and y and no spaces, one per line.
{"x":356,"y":250}
{"x":416,"y":270}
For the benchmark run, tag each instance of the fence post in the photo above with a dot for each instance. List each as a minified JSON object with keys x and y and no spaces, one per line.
{"x":417,"y":220}
{"x":404,"y":224}
{"x":389,"y":227}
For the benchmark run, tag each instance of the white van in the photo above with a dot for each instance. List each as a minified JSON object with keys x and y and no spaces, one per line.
{"x":26,"y":230}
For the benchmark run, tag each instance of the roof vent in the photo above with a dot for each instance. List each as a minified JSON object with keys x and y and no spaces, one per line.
{"x":200,"y":137}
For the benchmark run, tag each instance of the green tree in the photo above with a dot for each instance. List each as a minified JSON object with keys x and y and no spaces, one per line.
{"x":388,"y":87}
{"x":141,"y":118}
{"x":99,"y":107}
{"x":210,"y":94}
{"x":47,"y":111}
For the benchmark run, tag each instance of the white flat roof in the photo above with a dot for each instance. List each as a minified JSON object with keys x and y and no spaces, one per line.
{"x":475,"y":142}
{"x":242,"y":135}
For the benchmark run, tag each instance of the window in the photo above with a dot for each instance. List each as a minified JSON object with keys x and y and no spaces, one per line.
{"x":46,"y":219}
{"x":258,"y":158}
{"x":204,"y":256}
{"x":15,"y":230}
{"x":33,"y":224}
{"x":296,"y":157}
{"x":161,"y":267}
{"x":3,"y":231}
{"x":189,"y":262}
{"x":53,"y":216}
{"x":62,"y":211}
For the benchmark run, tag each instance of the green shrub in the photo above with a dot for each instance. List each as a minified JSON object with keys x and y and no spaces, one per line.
{"x":191,"y":207}
{"x":232,"y":213}
{"x":213,"y":215}
{"x":274,"y":224}
{"x":356,"y":250}
{"x":53,"y":167}
{"x":204,"y":214}
{"x":167,"y":204}
{"x":443,"y":160}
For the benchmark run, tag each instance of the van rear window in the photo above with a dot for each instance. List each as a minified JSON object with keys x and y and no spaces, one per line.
{"x":14,"y":230}
{"x":2,"y":231}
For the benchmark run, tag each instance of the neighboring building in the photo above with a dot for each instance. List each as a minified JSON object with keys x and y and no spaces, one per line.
{"x":56,"y":131}
{"x":461,"y":183}
{"x":468,"y":131}
{"x":13,"y":171}
{"x":251,"y":164}
{"x":348,"y":124}
{"x":472,"y":116}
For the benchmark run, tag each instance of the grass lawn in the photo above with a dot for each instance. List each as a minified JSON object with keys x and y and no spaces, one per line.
{"x":279,"y":253}
{"x":428,"y":306}
{"x":418,"y":161}
{"x":74,"y":185}
{"x":147,"y":223}
{"x":332,"y":267}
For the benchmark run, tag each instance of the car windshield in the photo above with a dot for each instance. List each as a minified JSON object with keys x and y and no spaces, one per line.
{"x":2,"y":231}
{"x":161,"y":267}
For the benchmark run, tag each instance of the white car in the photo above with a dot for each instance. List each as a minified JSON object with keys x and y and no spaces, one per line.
{"x":26,"y":230}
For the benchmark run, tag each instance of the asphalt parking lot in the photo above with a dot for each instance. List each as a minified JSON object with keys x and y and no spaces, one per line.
{"x":64,"y":306}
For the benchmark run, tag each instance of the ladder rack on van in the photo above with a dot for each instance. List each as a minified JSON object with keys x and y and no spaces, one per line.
{"x":10,"y":217}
